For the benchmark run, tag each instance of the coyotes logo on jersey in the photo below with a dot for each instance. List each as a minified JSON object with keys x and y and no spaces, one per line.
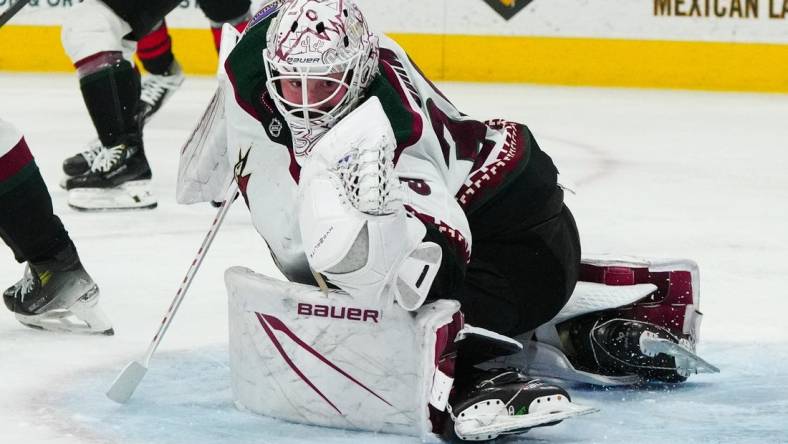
{"x":240,"y":172}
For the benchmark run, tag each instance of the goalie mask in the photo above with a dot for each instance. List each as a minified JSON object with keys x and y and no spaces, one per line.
{"x":320,"y":57}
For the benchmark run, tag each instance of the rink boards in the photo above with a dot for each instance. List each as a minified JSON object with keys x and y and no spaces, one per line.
{"x":689,"y":44}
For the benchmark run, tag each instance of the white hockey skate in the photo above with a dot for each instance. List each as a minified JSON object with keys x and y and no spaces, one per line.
{"x":58,"y":296}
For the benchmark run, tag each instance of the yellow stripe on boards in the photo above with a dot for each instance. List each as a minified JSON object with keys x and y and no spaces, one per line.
{"x":195,"y":50}
{"x":549,"y":60}
{"x":38,"y":48}
{"x":32,"y":48}
{"x":614,"y":62}
{"x":427,"y":50}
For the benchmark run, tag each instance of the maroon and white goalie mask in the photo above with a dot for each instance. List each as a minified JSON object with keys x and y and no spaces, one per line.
{"x":320,"y":57}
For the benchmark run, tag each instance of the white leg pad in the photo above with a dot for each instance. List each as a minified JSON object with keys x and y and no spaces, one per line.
{"x":205,"y":166}
{"x":307,"y":357}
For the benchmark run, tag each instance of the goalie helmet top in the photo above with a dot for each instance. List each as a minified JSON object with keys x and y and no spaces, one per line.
{"x":327,"y":41}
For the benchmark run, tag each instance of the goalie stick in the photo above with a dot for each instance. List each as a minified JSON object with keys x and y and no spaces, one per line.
{"x":131,"y":375}
{"x":12,"y":10}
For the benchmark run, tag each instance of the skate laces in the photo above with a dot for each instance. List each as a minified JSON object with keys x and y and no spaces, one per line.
{"x":155,"y":87}
{"x":26,"y":288}
{"x":107,"y":158}
{"x":367,"y":174}
{"x":91,"y":153}
{"x":26,"y":285}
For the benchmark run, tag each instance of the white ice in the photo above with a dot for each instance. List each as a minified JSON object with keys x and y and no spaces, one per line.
{"x":657,"y":173}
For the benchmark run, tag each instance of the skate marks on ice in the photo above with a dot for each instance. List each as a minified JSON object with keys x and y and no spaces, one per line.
{"x":186,"y":397}
{"x":597,"y":162}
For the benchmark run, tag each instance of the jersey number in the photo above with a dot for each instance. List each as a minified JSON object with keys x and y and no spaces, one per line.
{"x":466,"y":136}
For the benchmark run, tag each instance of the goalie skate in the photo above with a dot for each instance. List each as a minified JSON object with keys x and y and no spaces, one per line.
{"x":687,"y":361}
{"x":629,"y":321}
{"x":133,"y":195}
{"x":510,"y":403}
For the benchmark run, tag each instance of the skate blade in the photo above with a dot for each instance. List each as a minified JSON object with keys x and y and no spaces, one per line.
{"x":126,"y":382}
{"x":87,"y":310}
{"x":133,"y":195}
{"x":83,"y":316}
{"x":62,"y":321}
{"x":687,"y":362}
{"x":490,"y":427}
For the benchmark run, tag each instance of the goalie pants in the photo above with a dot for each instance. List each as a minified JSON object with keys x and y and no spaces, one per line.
{"x":526,"y":254}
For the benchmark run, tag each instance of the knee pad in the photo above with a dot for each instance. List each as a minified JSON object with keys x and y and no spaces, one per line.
{"x":91,"y":27}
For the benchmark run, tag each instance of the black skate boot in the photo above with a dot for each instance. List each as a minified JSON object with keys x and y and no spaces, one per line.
{"x":505,"y":402}
{"x":80,"y":163}
{"x":118,"y":179}
{"x":158,"y":88}
{"x":58,"y":295}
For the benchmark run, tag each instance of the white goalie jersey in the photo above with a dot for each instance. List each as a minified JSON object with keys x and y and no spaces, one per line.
{"x":445,"y":165}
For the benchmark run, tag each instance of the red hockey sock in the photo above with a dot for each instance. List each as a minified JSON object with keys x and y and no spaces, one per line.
{"x":155,"y":50}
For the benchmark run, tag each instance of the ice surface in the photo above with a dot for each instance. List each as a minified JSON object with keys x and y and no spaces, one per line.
{"x":657,"y":173}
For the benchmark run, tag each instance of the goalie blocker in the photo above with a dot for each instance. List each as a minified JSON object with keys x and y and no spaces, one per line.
{"x":325,"y":359}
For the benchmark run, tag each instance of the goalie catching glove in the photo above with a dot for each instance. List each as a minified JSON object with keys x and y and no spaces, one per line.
{"x":353,"y":224}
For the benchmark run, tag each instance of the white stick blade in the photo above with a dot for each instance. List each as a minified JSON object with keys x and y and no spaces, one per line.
{"x":126,"y":382}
